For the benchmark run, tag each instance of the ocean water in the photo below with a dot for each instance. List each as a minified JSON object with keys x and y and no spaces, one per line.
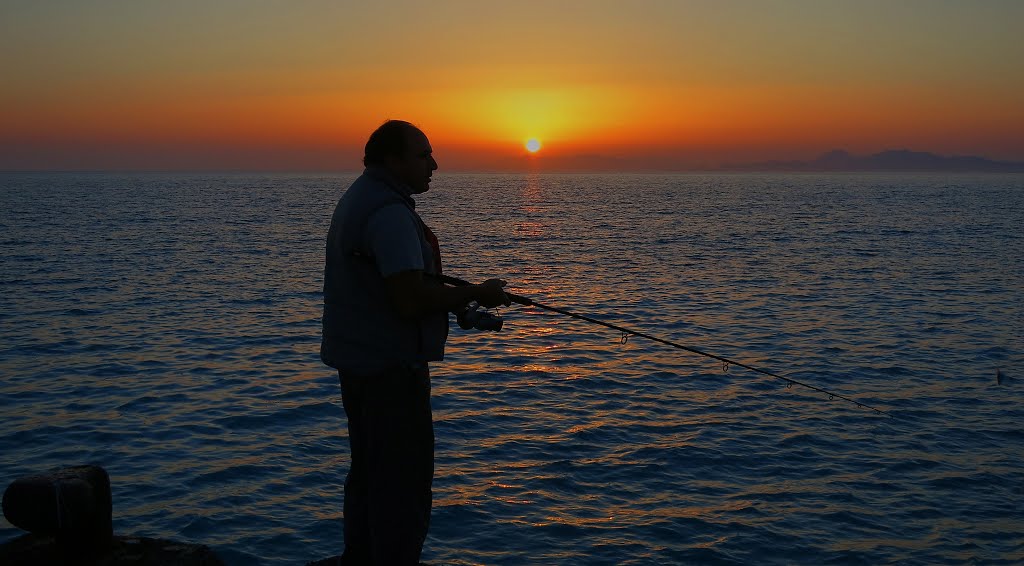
{"x":166,"y":327}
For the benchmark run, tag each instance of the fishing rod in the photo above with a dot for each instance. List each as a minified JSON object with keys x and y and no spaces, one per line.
{"x":526,"y":301}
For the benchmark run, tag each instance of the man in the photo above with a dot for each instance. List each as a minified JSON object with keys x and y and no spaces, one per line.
{"x":384,"y":319}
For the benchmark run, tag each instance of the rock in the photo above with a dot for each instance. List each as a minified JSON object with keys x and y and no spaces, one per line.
{"x":43,"y":550}
{"x":72,"y":504}
{"x":336,"y":561}
{"x":332,"y":561}
{"x":68,"y":514}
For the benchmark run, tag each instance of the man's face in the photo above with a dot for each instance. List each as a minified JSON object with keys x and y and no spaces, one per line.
{"x":414,"y":169}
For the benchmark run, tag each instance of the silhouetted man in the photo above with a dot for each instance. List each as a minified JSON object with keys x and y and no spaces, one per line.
{"x":384,"y":319}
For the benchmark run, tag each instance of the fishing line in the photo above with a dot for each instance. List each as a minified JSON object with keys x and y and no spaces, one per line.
{"x":726,"y":362}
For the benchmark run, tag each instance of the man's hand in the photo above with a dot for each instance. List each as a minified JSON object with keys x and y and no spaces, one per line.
{"x":414,"y":297}
{"x":490,"y":293}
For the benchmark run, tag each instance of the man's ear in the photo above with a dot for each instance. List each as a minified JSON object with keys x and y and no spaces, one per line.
{"x":391,"y":162}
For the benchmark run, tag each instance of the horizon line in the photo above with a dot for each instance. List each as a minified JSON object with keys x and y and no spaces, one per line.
{"x":909,"y":161}
{"x":735,"y":170}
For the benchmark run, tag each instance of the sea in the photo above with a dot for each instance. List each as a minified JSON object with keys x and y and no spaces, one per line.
{"x":166,"y":326}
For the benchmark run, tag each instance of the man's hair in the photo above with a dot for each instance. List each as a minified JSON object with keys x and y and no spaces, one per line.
{"x":387,"y":140}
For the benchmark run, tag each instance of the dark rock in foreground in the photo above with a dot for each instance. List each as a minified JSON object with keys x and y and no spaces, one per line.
{"x":332,"y":561}
{"x":68,"y":514}
{"x":43,"y":550}
{"x":72,"y":504}
{"x":336,"y":561}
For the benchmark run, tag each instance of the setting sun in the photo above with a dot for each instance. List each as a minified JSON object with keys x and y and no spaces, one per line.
{"x":533,"y":145}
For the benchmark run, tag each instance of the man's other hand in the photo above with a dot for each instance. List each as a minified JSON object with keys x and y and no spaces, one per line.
{"x":492,"y":295}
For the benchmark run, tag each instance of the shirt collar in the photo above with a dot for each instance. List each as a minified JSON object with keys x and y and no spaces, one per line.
{"x":385,"y":176}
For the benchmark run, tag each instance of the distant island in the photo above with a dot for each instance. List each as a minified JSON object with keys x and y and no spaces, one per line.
{"x":890,"y":160}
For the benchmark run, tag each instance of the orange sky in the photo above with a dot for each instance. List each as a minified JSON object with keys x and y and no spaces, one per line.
{"x":261,"y":85}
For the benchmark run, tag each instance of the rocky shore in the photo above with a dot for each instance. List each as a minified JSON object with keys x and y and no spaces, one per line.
{"x":68,"y":515}
{"x":44,"y":550}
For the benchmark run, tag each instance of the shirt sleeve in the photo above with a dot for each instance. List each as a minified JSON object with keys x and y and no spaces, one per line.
{"x":394,"y":241}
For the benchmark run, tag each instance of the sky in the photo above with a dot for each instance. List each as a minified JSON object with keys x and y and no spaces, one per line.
{"x":298,"y":85}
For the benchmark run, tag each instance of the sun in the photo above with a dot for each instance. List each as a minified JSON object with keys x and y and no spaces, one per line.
{"x":533,"y":145}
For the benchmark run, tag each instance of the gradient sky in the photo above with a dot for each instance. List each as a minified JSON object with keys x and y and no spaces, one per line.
{"x":298,"y":85}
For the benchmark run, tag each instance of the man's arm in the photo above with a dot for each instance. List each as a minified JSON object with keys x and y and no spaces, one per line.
{"x":413,"y":296}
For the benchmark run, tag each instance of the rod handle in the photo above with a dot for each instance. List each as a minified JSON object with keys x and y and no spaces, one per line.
{"x":455,"y":281}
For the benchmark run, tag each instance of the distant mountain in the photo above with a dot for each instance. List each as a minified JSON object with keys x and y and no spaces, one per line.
{"x":890,"y":160}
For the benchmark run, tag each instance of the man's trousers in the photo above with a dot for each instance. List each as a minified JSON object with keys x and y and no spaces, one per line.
{"x":387,"y":492}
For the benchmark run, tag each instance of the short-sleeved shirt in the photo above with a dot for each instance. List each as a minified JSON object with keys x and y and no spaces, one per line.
{"x":393,"y":240}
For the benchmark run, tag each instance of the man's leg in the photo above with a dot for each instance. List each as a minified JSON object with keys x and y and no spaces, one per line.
{"x":357,"y":483}
{"x":401,"y":463}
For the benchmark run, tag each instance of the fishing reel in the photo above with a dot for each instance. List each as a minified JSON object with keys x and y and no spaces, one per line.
{"x":473,"y":317}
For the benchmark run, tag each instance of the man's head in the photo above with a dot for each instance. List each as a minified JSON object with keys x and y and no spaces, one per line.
{"x":405,"y":151}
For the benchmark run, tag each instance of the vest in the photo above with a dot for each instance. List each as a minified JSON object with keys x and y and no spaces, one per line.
{"x":362,"y":332}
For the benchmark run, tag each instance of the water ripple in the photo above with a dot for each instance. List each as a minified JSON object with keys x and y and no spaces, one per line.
{"x":167,"y":326}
